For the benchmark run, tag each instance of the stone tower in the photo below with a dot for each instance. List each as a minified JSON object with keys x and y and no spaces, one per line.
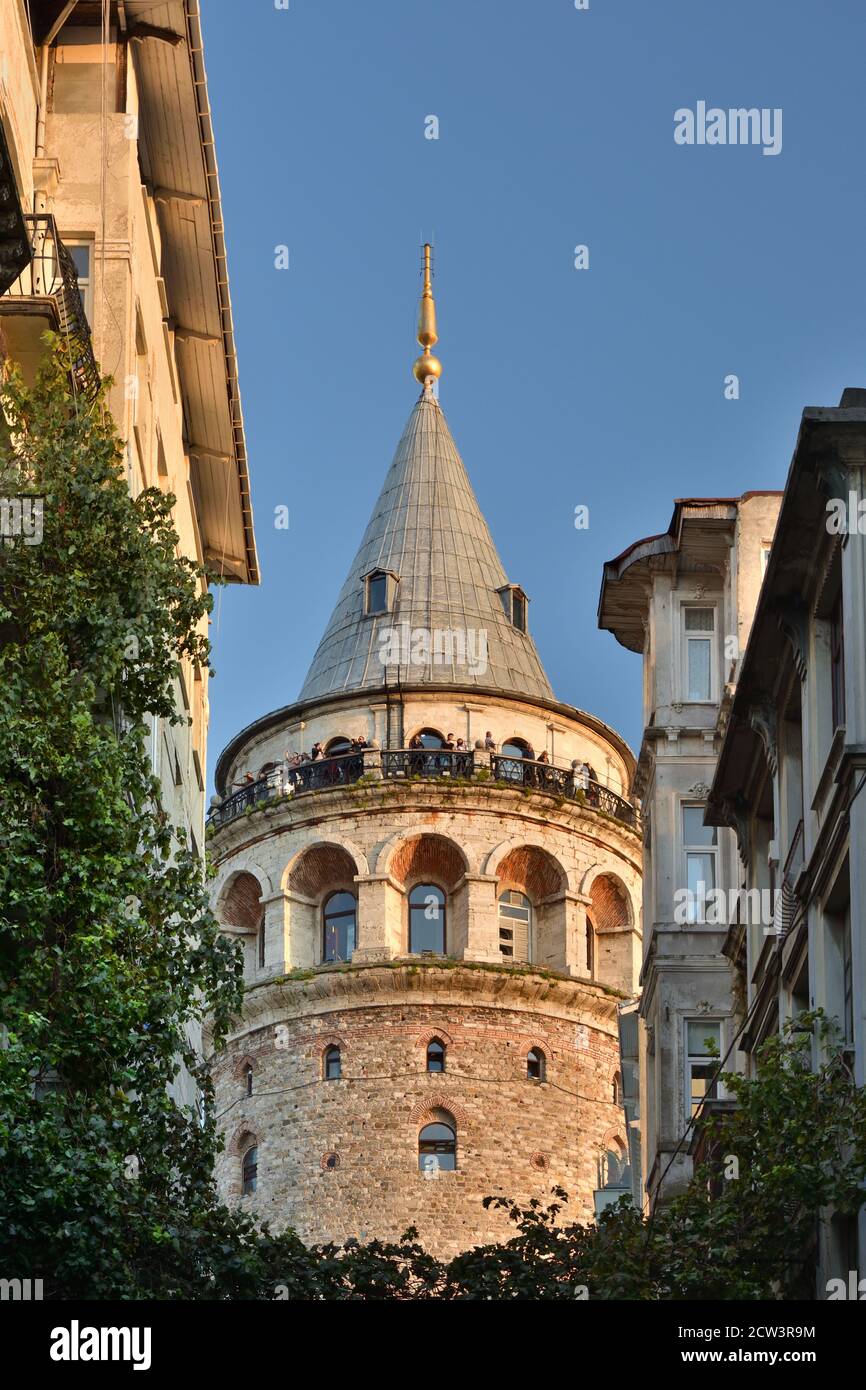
{"x":436,"y":937}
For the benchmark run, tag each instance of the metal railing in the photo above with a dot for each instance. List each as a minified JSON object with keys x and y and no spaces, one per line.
{"x":51,"y":275}
{"x":244,"y":799}
{"x":428,"y":762}
{"x":561,"y":781}
{"x":406,"y":763}
{"x":285,"y":781}
{"x":324,"y":772}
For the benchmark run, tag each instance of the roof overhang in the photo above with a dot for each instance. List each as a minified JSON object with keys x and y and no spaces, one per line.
{"x":697,"y":539}
{"x":179,"y":162}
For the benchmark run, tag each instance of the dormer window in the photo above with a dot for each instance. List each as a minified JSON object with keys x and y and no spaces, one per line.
{"x":380,"y":587}
{"x":514,"y":603}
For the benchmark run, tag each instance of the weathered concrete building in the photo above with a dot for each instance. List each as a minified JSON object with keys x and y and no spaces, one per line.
{"x":437,"y":933}
{"x":111,"y":233}
{"x":792,"y":768}
{"x":684,"y":600}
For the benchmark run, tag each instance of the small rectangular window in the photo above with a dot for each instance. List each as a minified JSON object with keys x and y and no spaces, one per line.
{"x":699,"y":637}
{"x":81,"y":252}
{"x":518,"y":612}
{"x":700,"y":851}
{"x":702,"y":1061}
{"x":847,"y":982}
{"x":837,"y":663}
{"x":377,"y":593}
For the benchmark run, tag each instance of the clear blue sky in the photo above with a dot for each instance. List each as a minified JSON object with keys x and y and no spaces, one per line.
{"x":602,"y":387}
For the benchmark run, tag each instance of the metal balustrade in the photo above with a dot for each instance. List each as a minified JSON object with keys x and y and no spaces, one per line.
{"x":428,"y":762}
{"x":51,"y":278}
{"x":407,"y":763}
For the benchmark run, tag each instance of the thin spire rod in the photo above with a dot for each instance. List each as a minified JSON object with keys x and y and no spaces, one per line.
{"x":427,"y":367}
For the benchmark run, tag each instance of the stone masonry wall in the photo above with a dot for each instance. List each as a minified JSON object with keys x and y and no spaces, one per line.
{"x":515,"y":1136}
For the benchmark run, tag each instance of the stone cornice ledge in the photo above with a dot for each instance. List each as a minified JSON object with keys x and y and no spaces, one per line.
{"x":473,"y":985}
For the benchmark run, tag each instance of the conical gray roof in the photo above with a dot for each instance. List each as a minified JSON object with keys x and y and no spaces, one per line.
{"x":428,"y":530}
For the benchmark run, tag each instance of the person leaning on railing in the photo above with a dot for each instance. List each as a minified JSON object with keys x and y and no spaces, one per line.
{"x":416,"y":755}
{"x":528,"y":761}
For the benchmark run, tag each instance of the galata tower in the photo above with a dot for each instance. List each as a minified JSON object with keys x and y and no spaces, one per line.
{"x":434,"y":867}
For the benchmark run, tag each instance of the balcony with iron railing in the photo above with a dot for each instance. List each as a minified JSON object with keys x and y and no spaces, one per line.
{"x":46,"y":296}
{"x":415,"y":764}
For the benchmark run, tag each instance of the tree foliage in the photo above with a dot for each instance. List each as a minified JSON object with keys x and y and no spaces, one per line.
{"x":109,"y":953}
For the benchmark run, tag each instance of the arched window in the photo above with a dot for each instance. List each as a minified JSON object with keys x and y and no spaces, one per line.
{"x":339,"y":919}
{"x":617,"y":1088}
{"x":431,"y":738}
{"x":613,"y":1168}
{"x":437,"y":1148}
{"x":515,"y":748}
{"x":332,"y":1064}
{"x":590,"y":948}
{"x":427,"y":919}
{"x":515,"y":925}
{"x":250,"y":1169}
{"x":535,"y":1064}
{"x":336,"y":746}
{"x":435,"y":1055}
{"x":248,"y":1078}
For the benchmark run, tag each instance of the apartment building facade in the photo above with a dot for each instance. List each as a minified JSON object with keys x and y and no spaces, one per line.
{"x":792,"y":767}
{"x":112,"y":214}
{"x":684,"y":601}
{"x":111,"y":232}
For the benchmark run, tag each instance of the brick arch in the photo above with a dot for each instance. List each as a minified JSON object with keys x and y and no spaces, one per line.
{"x":332,"y":1040}
{"x":230,"y":871}
{"x":611,"y":903}
{"x":238,"y":1144}
{"x":437,"y":1102}
{"x":241,"y":1065}
{"x":240,"y":901}
{"x":430,"y":1033}
{"x":613,"y":1140}
{"x":532,"y":870}
{"x":515,"y":868}
{"x":427,"y":858}
{"x":322,"y":867}
{"x":526,"y":1041}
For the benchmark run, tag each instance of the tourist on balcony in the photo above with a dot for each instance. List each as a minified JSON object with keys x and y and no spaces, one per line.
{"x":416,"y":755}
{"x":489,"y":742}
{"x":528,"y":760}
{"x":293,"y":762}
{"x":581,"y":777}
{"x":303,"y":772}
{"x":463,"y":759}
{"x":543,"y":772}
{"x":593,"y":789}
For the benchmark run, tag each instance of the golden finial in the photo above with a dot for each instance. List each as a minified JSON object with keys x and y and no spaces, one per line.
{"x":427,"y":365}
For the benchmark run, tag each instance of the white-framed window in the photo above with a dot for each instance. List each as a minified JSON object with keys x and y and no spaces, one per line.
{"x":703,"y":1054}
{"x":765,"y":556}
{"x":81,"y":251}
{"x":515,"y":926}
{"x":700,"y":859}
{"x":699,"y":652}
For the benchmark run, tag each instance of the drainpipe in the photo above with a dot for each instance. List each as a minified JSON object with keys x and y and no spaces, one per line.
{"x":40,"y":193}
{"x":43,"y":89}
